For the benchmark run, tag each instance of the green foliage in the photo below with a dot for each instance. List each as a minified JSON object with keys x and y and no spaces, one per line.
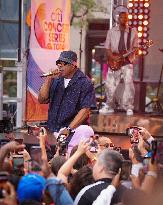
{"x":79,"y":6}
{"x":82,"y":8}
{"x":9,"y":79}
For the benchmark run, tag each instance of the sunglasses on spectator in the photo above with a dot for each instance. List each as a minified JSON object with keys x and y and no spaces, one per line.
{"x":106,"y":145}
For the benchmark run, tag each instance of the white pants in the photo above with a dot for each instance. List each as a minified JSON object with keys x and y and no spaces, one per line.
{"x":112,"y":82}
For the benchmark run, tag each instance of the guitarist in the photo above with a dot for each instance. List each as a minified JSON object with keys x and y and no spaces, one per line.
{"x":120,"y":39}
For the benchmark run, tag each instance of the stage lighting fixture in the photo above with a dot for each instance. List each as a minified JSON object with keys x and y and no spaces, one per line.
{"x":136,"y":4}
{"x":146,"y":16}
{"x":135,"y":16}
{"x":140,"y":52}
{"x":146,"y":5}
{"x":145,"y":35}
{"x":140,"y":10}
{"x":145,"y":28}
{"x":141,"y":5}
{"x":140,"y":28}
{"x":140,"y":34}
{"x":130,"y":5}
{"x":135,"y":11}
{"x":139,"y":18}
{"x":146,"y":11}
{"x":135,"y":23}
{"x":145,"y":23}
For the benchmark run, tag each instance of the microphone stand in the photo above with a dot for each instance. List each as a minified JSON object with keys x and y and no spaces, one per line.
{"x":155,"y":101}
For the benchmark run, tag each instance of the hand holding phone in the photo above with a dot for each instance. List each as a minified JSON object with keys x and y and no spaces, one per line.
{"x":36,"y":158}
{"x":133,"y":133}
{"x":42,"y":137}
{"x":35,"y":154}
{"x":18,"y":164}
{"x":43,"y":131}
{"x":33,"y":130}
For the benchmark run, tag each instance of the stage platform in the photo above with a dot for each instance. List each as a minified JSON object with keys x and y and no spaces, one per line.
{"x":117,"y":123}
{"x":112,"y":125}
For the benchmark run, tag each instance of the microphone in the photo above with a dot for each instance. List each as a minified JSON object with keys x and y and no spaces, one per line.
{"x":46,"y":74}
{"x":56,"y":72}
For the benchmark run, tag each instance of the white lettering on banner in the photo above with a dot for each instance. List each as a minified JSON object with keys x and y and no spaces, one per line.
{"x":50,"y":34}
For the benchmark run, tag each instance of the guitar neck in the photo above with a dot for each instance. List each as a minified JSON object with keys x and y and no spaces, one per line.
{"x":147,"y":44}
{"x":127,"y":54}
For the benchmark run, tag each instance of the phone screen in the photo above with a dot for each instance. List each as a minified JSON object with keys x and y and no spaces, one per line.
{"x":36,"y":158}
{"x":35,"y":154}
{"x":126,"y":170}
{"x":18,"y":162}
{"x":134,"y":135}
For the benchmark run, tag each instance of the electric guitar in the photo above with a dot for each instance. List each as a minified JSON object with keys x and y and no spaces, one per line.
{"x":116,"y":65}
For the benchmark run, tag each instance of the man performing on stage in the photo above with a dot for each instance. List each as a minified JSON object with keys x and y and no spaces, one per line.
{"x":120,"y":40}
{"x":70,"y":95}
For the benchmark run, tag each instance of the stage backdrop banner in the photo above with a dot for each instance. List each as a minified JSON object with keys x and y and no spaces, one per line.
{"x":50,"y":34}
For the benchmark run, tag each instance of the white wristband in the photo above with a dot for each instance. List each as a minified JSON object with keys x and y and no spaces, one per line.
{"x":149,"y":140}
{"x":151,"y":173}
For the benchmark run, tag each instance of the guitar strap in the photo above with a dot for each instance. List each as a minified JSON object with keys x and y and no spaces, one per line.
{"x":129,"y":39}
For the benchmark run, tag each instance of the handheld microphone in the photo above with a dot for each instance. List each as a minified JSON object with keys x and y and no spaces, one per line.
{"x":46,"y":74}
{"x":54,"y":73}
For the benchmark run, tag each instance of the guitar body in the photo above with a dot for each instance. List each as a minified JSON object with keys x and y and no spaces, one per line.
{"x":116,"y":65}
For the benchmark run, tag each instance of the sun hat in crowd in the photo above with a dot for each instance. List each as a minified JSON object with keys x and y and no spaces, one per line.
{"x":67,"y":57}
{"x":31,"y":186}
{"x":82,"y":132}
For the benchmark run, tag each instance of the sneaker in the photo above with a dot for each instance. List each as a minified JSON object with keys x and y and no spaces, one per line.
{"x":129,"y":112}
{"x":106,"y":110}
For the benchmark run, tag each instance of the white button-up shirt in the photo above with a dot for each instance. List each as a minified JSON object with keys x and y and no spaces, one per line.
{"x":113,"y":37}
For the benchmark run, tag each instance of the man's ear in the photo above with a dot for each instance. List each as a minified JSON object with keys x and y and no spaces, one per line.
{"x":74,"y":66}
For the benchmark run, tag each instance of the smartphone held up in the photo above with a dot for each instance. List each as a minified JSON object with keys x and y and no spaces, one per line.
{"x":133,"y":133}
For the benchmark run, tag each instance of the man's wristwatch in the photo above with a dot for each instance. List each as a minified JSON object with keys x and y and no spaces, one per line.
{"x":69,"y":129}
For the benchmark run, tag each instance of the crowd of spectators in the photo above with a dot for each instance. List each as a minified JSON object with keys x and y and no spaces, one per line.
{"x":94,"y":172}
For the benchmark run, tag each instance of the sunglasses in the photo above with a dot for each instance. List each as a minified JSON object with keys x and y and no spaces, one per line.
{"x":58,"y":62}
